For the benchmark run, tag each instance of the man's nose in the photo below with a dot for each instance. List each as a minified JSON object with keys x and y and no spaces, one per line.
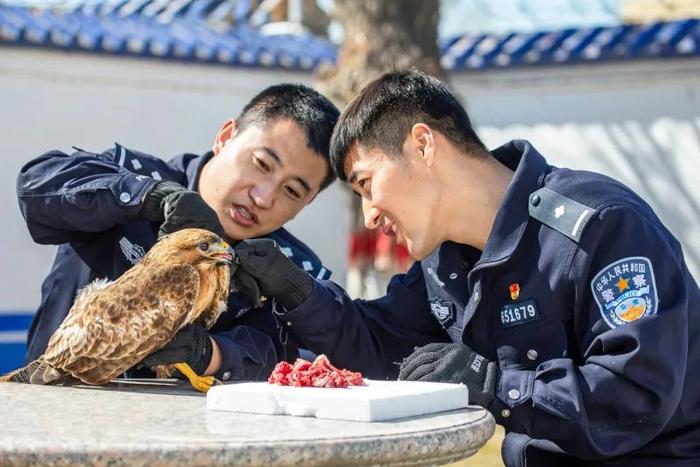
{"x":263,"y":195}
{"x":372,"y":215}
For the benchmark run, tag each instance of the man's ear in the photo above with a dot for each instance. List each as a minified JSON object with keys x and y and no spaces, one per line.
{"x":227,"y":131}
{"x":424,"y":142}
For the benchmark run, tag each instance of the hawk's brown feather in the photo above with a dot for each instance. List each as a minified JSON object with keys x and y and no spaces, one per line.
{"x":113,"y":326}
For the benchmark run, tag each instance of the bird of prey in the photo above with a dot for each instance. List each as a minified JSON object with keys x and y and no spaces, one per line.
{"x":113,"y":325}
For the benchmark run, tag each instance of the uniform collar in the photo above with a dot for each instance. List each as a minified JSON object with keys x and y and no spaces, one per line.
{"x":512,"y":215}
{"x":194,"y":169}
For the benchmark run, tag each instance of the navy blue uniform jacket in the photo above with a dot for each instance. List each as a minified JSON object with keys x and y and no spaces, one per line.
{"x":89,"y":205}
{"x":583,"y":298}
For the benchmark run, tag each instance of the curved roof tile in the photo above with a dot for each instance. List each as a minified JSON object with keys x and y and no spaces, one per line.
{"x":174,"y":30}
{"x":585,"y":45}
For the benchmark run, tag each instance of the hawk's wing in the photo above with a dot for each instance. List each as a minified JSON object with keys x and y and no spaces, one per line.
{"x":109,"y":330}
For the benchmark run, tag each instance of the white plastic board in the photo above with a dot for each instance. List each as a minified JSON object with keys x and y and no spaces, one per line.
{"x":378,"y":400}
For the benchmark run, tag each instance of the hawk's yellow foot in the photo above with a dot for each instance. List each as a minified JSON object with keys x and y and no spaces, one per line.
{"x":200,"y":383}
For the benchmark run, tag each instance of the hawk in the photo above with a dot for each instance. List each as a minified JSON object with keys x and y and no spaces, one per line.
{"x":113,"y":325}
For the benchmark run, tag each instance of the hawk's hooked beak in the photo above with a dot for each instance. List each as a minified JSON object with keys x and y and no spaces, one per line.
{"x":221,"y":251}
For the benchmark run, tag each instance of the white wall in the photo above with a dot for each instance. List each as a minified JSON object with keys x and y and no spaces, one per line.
{"x":53,"y":100}
{"x":637,"y":122}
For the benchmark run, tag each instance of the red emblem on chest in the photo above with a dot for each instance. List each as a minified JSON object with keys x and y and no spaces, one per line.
{"x":514,"y":291}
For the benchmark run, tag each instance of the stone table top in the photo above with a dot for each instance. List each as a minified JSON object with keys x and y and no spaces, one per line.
{"x":168,"y":424}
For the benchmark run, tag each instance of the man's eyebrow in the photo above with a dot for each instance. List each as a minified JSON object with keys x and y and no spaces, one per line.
{"x":304,"y":183}
{"x":270,"y":152}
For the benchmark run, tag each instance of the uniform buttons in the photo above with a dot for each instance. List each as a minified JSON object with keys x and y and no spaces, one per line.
{"x":125,"y":197}
{"x":476,"y":296}
{"x":226,"y":375}
{"x":514,"y":394}
{"x":505,"y":413}
{"x":535,"y":200}
{"x":289,"y":323}
{"x":532,"y":354}
{"x":453,"y":276}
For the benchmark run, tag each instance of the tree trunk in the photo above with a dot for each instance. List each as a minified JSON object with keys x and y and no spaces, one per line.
{"x":380,"y":36}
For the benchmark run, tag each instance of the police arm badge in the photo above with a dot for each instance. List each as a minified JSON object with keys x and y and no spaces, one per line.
{"x":625,"y":291}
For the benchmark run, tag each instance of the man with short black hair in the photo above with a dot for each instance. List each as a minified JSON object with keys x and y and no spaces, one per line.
{"x":105,"y":210}
{"x":556,"y":296}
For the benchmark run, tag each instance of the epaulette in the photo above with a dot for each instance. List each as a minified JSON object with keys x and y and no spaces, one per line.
{"x":559,"y":212}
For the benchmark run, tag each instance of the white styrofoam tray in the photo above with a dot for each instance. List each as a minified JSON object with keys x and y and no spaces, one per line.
{"x":378,"y":400}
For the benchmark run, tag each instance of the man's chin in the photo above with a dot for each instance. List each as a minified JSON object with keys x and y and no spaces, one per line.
{"x":413,"y":252}
{"x":418,"y":251}
{"x":237,"y":232}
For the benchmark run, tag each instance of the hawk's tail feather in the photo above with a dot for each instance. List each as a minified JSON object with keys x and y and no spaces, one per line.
{"x":37,"y":372}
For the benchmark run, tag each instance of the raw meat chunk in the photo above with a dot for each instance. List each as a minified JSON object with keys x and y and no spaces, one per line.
{"x":319,"y":374}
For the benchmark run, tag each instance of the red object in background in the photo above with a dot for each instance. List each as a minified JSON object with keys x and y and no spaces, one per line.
{"x":319,"y":374}
{"x":395,"y":253}
{"x":366,"y":246}
{"x":362,"y":246}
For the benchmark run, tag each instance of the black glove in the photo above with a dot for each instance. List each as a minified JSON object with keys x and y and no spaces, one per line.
{"x":264,"y":269}
{"x":178,"y":208}
{"x":453,"y":363}
{"x":190,"y":345}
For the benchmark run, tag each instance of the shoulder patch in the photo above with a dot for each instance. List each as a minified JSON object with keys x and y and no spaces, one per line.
{"x":120,"y":154}
{"x":626,"y":291}
{"x":559,"y":212}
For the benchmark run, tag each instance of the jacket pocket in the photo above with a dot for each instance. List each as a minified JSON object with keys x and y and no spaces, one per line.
{"x":528,"y":345}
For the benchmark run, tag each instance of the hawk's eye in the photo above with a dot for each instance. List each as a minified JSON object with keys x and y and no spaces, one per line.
{"x":204,"y":246}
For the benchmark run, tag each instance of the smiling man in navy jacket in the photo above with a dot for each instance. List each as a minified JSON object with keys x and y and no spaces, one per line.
{"x":556,"y":296}
{"x":105,"y":210}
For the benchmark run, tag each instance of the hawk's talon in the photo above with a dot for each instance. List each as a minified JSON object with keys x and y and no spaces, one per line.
{"x":200,"y":383}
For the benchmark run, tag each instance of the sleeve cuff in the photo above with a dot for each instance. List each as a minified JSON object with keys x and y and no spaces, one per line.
{"x":231,"y":367}
{"x":246,"y":354}
{"x":308,"y":319}
{"x":129,"y":192}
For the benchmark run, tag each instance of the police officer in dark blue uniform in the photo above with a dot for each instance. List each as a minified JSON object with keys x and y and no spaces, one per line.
{"x":106,"y":210}
{"x":556,"y":296}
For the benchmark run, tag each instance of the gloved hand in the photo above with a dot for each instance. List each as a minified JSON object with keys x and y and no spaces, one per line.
{"x":178,"y":208}
{"x":190,"y":345}
{"x":453,"y":363}
{"x":264,"y":269}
